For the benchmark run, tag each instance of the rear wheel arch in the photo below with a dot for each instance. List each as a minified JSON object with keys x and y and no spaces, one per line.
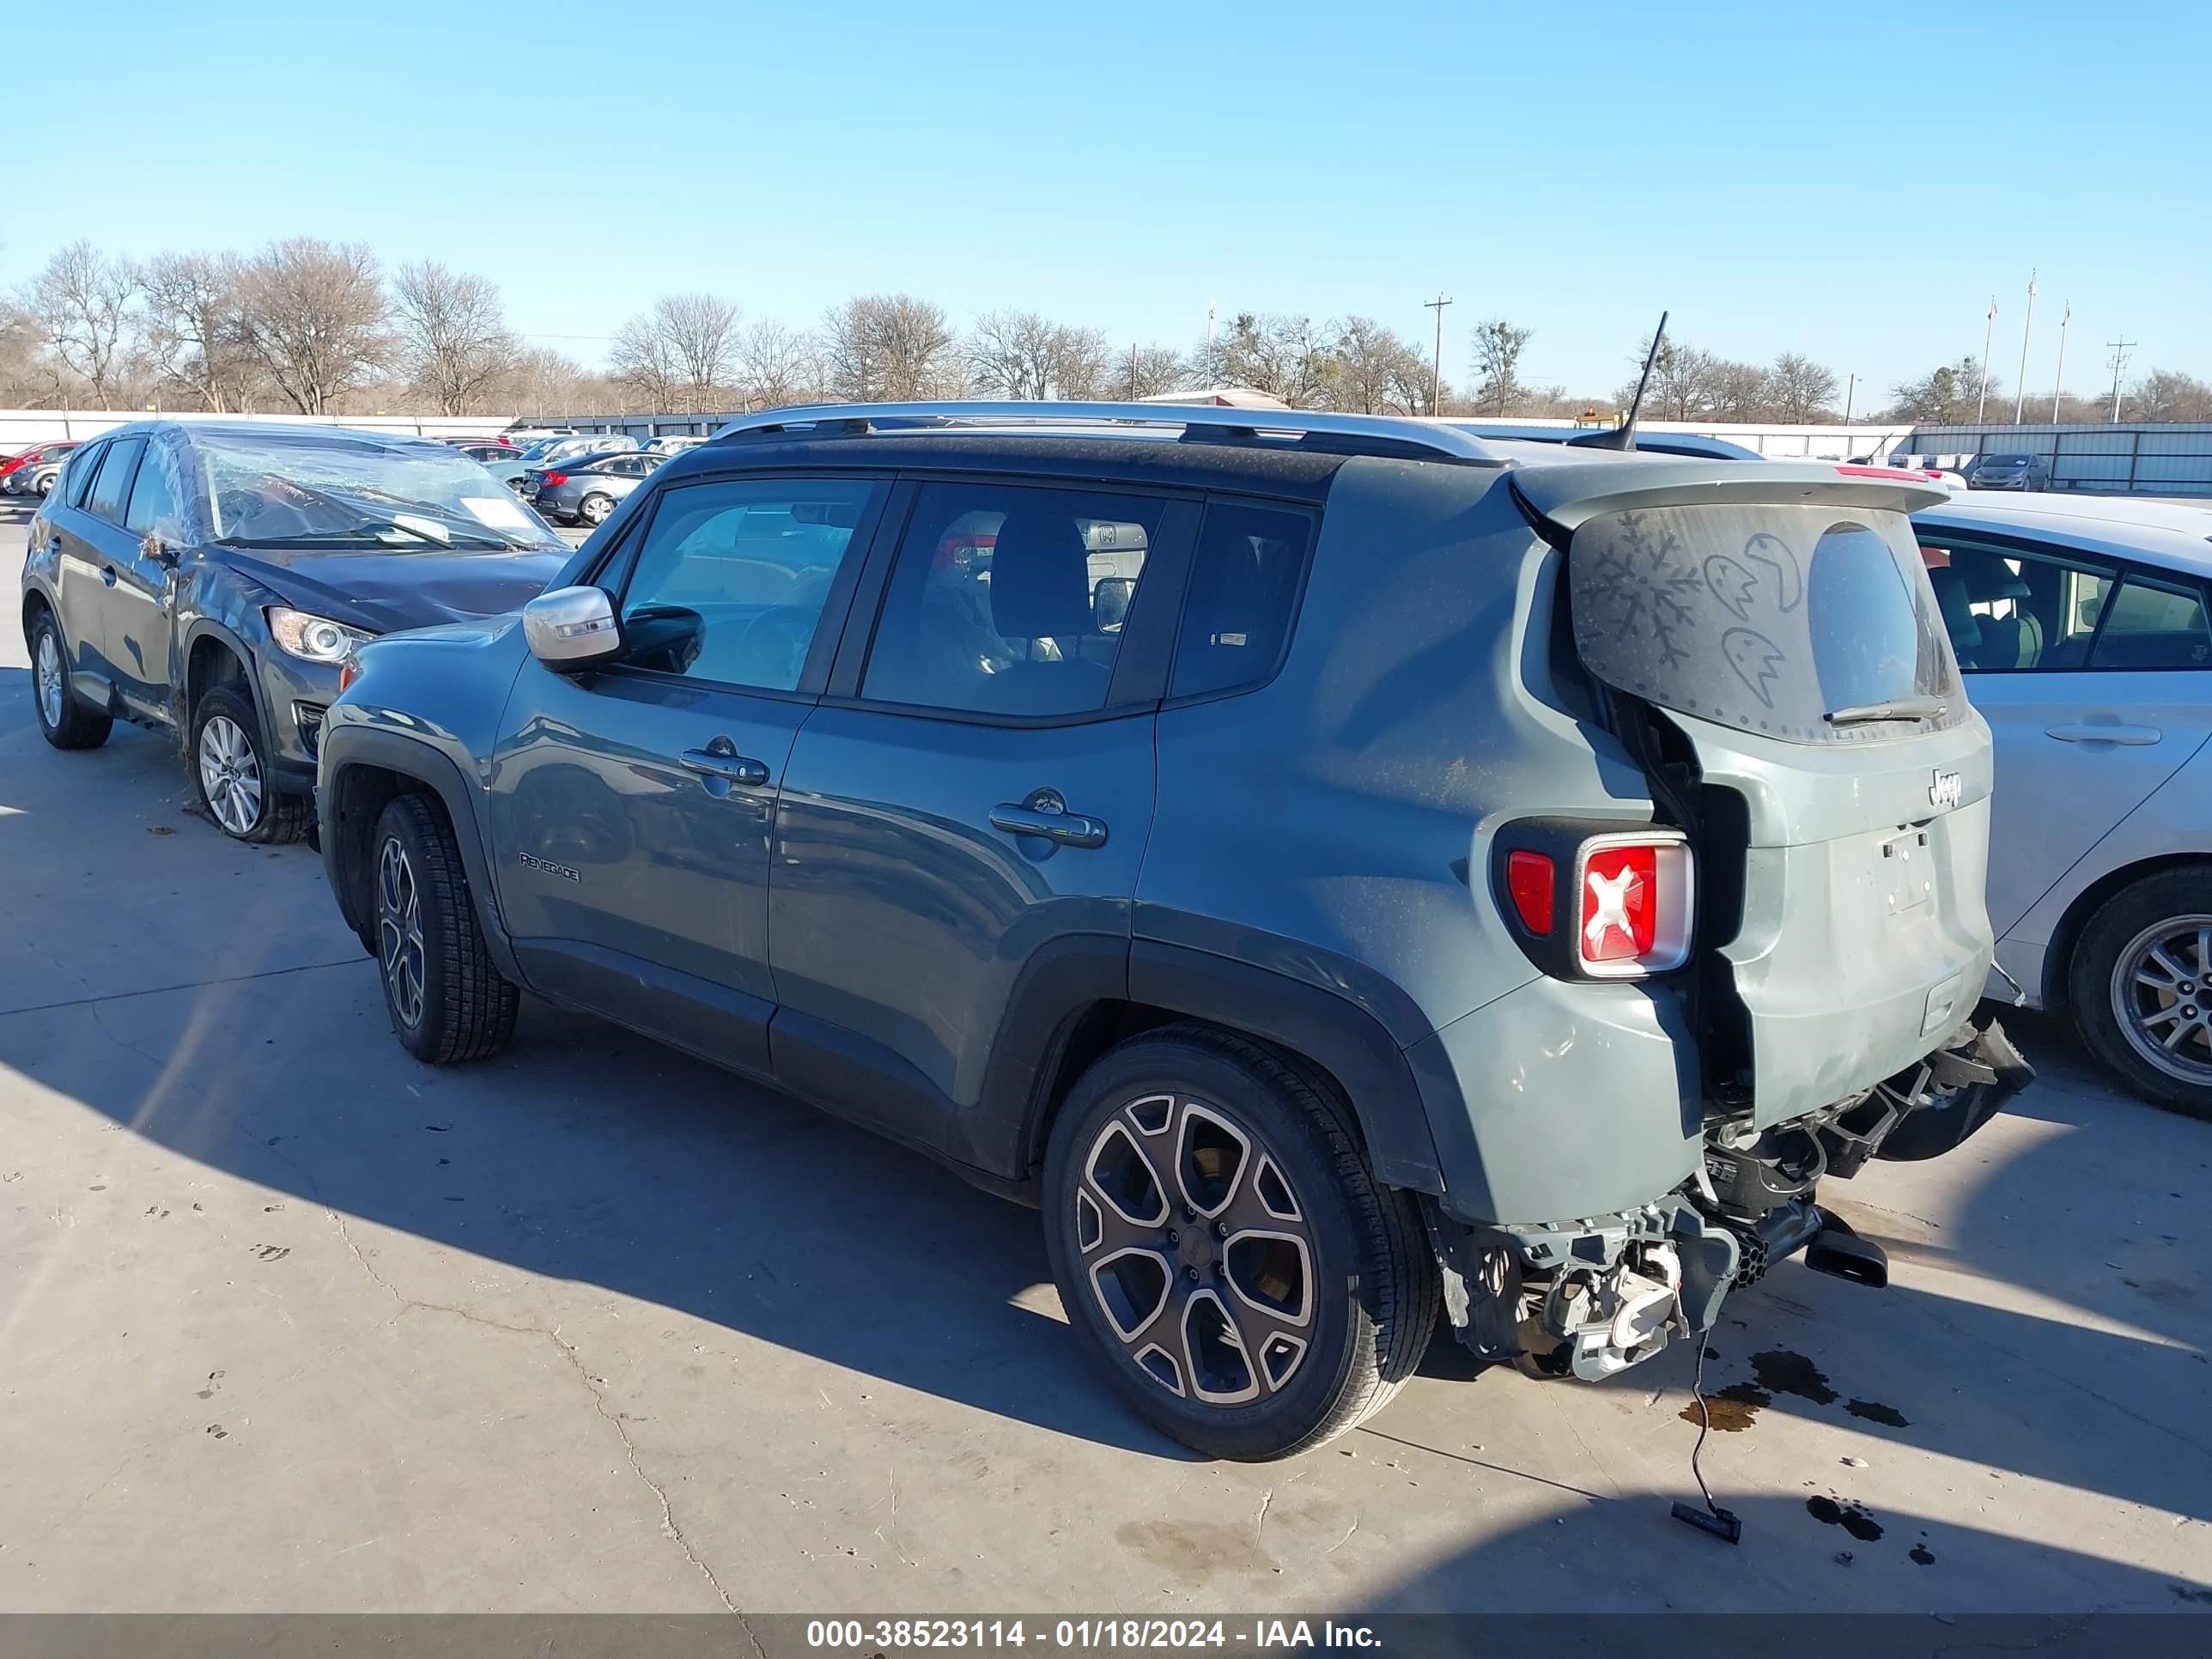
{"x":2058,"y":956}
{"x":1341,"y":1051}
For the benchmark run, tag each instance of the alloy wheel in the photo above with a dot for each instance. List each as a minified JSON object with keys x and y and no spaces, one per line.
{"x":400,"y":931}
{"x":47,"y":675}
{"x":230,"y":774}
{"x":2162,"y":991}
{"x":595,"y":509}
{"x":1197,"y":1250}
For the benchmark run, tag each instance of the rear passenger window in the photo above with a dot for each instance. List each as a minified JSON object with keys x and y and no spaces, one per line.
{"x":1244,"y":584}
{"x":732,"y":580}
{"x":1009,"y":600}
{"x":109,"y":490}
{"x":2154,"y":625}
{"x":77,"y":473}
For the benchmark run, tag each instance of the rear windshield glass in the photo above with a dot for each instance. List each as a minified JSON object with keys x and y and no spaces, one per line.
{"x":1769,"y":618}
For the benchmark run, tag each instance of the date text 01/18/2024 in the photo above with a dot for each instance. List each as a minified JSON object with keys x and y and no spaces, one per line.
{"x":1083,"y":1634}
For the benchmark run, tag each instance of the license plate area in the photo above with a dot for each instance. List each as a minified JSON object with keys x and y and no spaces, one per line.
{"x":1907,"y":872}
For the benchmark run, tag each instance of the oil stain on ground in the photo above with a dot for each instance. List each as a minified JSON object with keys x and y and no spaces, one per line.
{"x":1850,"y":1517}
{"x":1922,"y":1554}
{"x":1775,"y":1371}
{"x":1874,"y":1412}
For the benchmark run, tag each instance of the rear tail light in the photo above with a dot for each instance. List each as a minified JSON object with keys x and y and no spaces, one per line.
{"x":1634,"y":899}
{"x":1531,"y":880}
{"x":552,"y":480}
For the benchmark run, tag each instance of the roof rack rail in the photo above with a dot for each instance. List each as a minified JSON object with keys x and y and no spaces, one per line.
{"x":1390,"y":434}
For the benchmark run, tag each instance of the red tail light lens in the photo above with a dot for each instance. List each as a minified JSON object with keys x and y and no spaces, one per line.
{"x":1531,"y":878}
{"x":1636,"y":900}
{"x":553,"y":481}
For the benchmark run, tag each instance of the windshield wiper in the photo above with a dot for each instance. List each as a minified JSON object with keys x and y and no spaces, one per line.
{"x":1897,"y":708}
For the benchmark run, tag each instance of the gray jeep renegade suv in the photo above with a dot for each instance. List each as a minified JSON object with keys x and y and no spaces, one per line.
{"x":1341,"y":872}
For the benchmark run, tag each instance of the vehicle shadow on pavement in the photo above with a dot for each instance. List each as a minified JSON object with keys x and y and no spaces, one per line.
{"x":593,"y":1156}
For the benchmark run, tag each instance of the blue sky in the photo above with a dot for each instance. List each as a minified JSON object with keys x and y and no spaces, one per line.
{"x":1780,"y":177}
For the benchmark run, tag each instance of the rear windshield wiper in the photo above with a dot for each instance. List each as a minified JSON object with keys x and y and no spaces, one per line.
{"x":1897,"y":708}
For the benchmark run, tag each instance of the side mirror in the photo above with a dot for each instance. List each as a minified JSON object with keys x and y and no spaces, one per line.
{"x":571,"y":628}
{"x":1109,"y":601}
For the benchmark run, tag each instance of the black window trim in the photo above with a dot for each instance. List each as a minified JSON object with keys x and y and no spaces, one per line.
{"x":92,"y":454}
{"x":1141,"y":664}
{"x":2119,"y":568}
{"x":620,"y":561}
{"x":1312,"y":511}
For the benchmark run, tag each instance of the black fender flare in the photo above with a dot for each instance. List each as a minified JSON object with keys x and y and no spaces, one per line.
{"x":350,"y":746}
{"x":248,"y":659}
{"x":1003,"y":1133}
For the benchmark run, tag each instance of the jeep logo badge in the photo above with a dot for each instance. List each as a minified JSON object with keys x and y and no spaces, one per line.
{"x":1947,"y":789}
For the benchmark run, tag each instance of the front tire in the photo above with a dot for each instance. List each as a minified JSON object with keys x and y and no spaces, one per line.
{"x":2141,"y":987}
{"x":63,"y":722}
{"x":232,"y":773}
{"x":446,"y":1000}
{"x":1223,"y":1250}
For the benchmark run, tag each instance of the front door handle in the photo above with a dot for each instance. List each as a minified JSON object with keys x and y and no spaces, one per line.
{"x":1069,"y":829}
{"x":731,"y":768}
{"x":2082,"y":732}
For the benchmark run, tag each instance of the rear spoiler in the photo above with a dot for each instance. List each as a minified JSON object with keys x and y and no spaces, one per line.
{"x":1567,"y":495}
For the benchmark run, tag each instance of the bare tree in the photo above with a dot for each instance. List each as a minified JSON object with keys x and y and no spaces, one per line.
{"x":888,"y":348}
{"x":454,"y":341}
{"x":1946,"y":396}
{"x":2166,"y":394}
{"x":1799,"y":391}
{"x":1733,"y":392}
{"x":81,"y":303}
{"x":1374,"y":371}
{"x":1284,"y":356}
{"x":777,"y":365}
{"x":1682,"y":382}
{"x":682,"y":352}
{"x":1019,"y":354}
{"x":315,"y":314}
{"x":1498,"y":348}
{"x":1148,"y":372}
{"x":196,"y":327}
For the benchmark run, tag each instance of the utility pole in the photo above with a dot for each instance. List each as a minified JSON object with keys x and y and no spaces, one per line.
{"x":2019,"y":391}
{"x":1981,"y":406}
{"x":2119,"y":363}
{"x":1851,"y":390}
{"x":2059,"y":380}
{"x":1436,"y":373}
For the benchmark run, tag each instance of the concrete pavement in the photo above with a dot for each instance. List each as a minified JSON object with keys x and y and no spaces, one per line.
{"x":288,"y":1322}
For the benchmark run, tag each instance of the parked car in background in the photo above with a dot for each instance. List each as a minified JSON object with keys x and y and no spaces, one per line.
{"x":546,"y":453}
{"x":674,"y":443}
{"x":1017,"y":858}
{"x":2009,"y":472}
{"x":20,"y":471}
{"x":586,"y":489}
{"x":38,"y":478}
{"x":2080,"y":623}
{"x":209,"y":579}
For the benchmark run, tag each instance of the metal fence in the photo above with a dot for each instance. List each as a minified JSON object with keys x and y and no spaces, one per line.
{"x":21,"y":427}
{"x":2142,"y":458}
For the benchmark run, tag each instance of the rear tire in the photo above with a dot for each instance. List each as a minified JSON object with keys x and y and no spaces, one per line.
{"x":1243,"y":1203}
{"x":63,"y":722}
{"x":594,"y":509}
{"x":446,"y":1000}
{"x":2142,"y":974}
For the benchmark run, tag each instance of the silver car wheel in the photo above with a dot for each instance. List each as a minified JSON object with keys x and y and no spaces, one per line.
{"x":399,"y":932}
{"x":594,"y":509}
{"x":230,"y":774}
{"x":48,"y":675}
{"x":2162,"y":991}
{"x":1197,"y":1251}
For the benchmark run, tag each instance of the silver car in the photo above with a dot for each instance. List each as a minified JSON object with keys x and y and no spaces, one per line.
{"x":2081,"y":623}
{"x":2013,"y":472}
{"x":587,"y":492}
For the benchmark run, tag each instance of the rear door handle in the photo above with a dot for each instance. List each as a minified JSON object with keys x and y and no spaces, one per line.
{"x":2082,"y":732}
{"x":1069,"y":829}
{"x":733,"y":769}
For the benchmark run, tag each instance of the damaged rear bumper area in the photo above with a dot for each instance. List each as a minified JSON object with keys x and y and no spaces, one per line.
{"x":1592,"y":1296}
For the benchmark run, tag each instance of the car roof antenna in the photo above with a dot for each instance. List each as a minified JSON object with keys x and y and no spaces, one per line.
{"x":1624,"y":436}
